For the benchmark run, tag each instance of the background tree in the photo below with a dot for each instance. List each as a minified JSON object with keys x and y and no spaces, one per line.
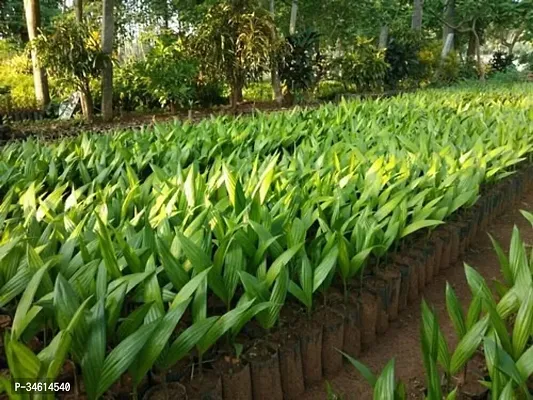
{"x":33,"y":21}
{"x":108,"y":34}
{"x":71,"y":53}
{"x":234,"y":40}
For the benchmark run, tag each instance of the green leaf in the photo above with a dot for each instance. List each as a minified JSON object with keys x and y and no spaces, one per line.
{"x":417,"y":225}
{"x":106,"y":247}
{"x":455,"y":311}
{"x":523,"y":325}
{"x":121,"y":357}
{"x":26,"y":302}
{"x":363,"y":370}
{"x":186,"y":341}
{"x":222,"y":325}
{"x":280,"y":263}
{"x":324,"y":268}
{"x":504,"y":262}
{"x":155,"y":344}
{"x":384,"y":388}
{"x":22,"y":363}
{"x":194,"y":253}
{"x":468,"y":345}
{"x":93,"y":359}
{"x":177,"y":275}
{"x":133,"y":321}
{"x":525,"y":364}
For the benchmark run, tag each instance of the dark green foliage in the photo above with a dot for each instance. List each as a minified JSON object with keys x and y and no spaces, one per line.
{"x":362,"y":67}
{"x":300,"y":60}
{"x":13,"y":22}
{"x":171,"y":72}
{"x":168,"y":75}
{"x":501,"y":62}
{"x":71,"y":52}
{"x":402,"y":57}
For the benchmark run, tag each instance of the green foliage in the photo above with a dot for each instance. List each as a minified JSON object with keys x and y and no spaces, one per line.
{"x":508,"y":356}
{"x":124,"y":234}
{"x":501,"y":62}
{"x":71,"y":52}
{"x":234,"y":42}
{"x":258,"y":91}
{"x":299,"y":61}
{"x":13,"y":20}
{"x":402,"y":56}
{"x":171,"y":72}
{"x":329,"y":90}
{"x":362,"y":66}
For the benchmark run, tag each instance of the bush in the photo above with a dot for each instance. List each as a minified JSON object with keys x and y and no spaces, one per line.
{"x":329,"y":90}
{"x":171,"y":73}
{"x":402,"y":55}
{"x":167,"y":76}
{"x":71,"y":53}
{"x":509,"y":76}
{"x":258,"y":91}
{"x":363,"y":66}
{"x":526,"y":59}
{"x":300,"y":60}
{"x":16,"y":80}
{"x":500,"y":62}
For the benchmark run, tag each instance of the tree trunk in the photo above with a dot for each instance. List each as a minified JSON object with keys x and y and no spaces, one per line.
{"x":78,"y":5}
{"x":416,"y":22}
{"x":479,"y":63}
{"x":108,"y":32}
{"x":294,"y":14}
{"x":40,"y":80}
{"x":234,"y":96}
{"x":471,"y":50}
{"x":87,"y":107}
{"x":384,"y":37}
{"x":238,"y":90}
{"x":449,"y":17}
{"x":274,"y":73}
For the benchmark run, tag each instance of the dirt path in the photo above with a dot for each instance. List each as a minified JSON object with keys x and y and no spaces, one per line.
{"x":402,"y":340}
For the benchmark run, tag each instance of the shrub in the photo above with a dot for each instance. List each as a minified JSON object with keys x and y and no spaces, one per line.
{"x":258,"y":91}
{"x":171,"y":72}
{"x":131,"y":87}
{"x":168,"y":75}
{"x":402,"y":55}
{"x":299,"y":64}
{"x":16,"y":78}
{"x":526,"y":59}
{"x":363,"y":66}
{"x":500,"y":62}
{"x":329,"y":90}
{"x":71,"y":53}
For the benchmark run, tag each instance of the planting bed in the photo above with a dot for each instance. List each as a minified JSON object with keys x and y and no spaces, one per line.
{"x":230,"y":259}
{"x":402,"y":342}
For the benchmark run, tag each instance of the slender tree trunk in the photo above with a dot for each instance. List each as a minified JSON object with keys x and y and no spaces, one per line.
{"x":40,"y":80}
{"x":234,"y":96}
{"x":294,"y":14}
{"x":471,"y":50}
{"x":108,"y":32}
{"x":274,"y":73}
{"x":238,"y":90}
{"x":87,"y":106}
{"x":416,"y":22}
{"x":384,"y":37}
{"x":449,"y":17}
{"x":78,"y":5}
{"x":166,"y":16}
{"x":480,"y":68}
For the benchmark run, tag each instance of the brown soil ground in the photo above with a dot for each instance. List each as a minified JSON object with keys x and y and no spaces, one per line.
{"x":401,"y":341}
